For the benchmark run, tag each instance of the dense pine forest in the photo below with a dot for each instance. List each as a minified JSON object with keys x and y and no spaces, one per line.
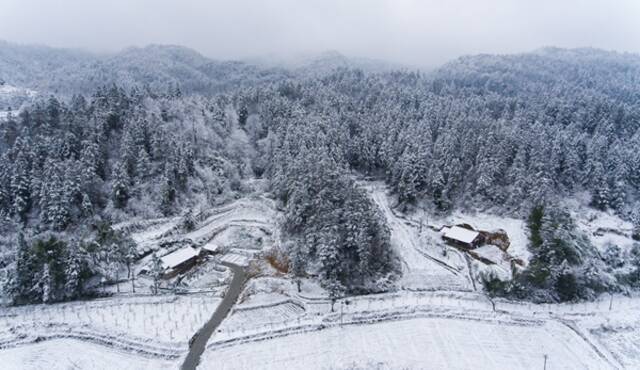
{"x":512,"y":135}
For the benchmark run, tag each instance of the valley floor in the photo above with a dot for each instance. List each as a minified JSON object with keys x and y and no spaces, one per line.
{"x":439,"y":318}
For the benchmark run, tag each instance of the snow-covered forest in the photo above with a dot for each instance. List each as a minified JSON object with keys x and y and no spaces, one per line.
{"x":174,"y":133}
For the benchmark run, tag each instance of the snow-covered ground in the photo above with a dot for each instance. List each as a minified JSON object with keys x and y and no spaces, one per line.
{"x":162,"y":325}
{"x":424,"y":330}
{"x":429,"y":263}
{"x":256,"y":212}
{"x":65,"y":354}
{"x":162,"y":322}
{"x":426,"y":323}
{"x":149,"y":325}
{"x":156,"y":230}
{"x":622,"y":341}
{"x":5,"y":114}
{"x":435,"y":320}
{"x":602,"y":227}
{"x":424,"y":265}
{"x":7,"y":90}
{"x":14,"y":97}
{"x":253,"y":213}
{"x":501,"y":267}
{"x":422,"y":343}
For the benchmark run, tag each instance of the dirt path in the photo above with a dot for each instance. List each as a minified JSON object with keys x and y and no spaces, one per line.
{"x":199,"y":341}
{"x":405,"y":236}
{"x":421,"y":270}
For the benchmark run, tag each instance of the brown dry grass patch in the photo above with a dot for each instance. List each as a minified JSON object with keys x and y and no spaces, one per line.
{"x":278,"y":260}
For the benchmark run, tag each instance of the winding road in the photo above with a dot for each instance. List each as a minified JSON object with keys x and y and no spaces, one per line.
{"x":199,"y":341}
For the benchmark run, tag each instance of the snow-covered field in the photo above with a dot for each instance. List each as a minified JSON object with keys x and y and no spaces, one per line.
{"x":65,"y":354}
{"x":422,"y":343}
{"x":623,"y":342}
{"x":418,"y":330}
{"x":157,"y":322}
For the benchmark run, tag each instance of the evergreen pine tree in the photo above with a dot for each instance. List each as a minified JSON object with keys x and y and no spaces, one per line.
{"x":167,"y":195}
{"x":20,"y":188}
{"x":143,"y":166}
{"x":600,"y":188}
{"x":87,"y":206}
{"x":298,"y":262}
{"x":72,"y":275}
{"x":188,"y":221}
{"x":635,"y":219}
{"x":5,"y":185}
{"x":120,"y":186}
{"x":59,"y":207}
{"x":128,"y":153}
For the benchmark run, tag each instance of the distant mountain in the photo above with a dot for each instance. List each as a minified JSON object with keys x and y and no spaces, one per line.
{"x":68,"y":71}
{"x":65,"y":71}
{"x":605,"y":73}
{"x":325,"y":62}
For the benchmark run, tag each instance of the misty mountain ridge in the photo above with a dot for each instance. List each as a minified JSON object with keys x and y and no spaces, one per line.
{"x":325,"y":62}
{"x":543,"y":70}
{"x":69,"y":71}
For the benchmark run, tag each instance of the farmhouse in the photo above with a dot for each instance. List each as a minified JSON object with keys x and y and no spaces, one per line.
{"x":461,"y":237}
{"x":180,"y":260}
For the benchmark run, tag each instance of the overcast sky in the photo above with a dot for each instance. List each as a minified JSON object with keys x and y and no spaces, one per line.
{"x":413,"y":32}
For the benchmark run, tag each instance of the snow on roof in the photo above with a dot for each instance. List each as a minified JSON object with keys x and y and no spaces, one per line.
{"x":236,"y":259}
{"x":491,"y":253}
{"x":211,"y":247}
{"x":178,"y":257}
{"x":460,"y":234}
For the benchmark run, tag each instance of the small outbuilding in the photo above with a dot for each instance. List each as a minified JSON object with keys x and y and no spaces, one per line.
{"x":180,"y":260}
{"x":210,"y":248}
{"x":461,"y":237}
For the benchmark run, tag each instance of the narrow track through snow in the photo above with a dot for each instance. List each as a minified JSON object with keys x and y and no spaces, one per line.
{"x":199,"y":341}
{"x":421,"y":270}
